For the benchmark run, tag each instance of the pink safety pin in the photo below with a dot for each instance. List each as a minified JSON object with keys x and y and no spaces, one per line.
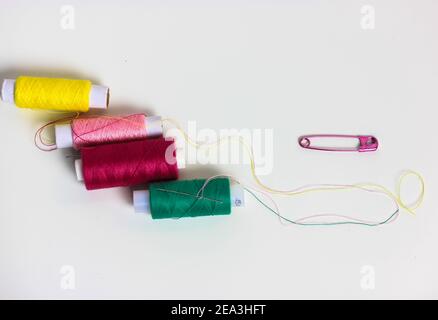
{"x":365,"y":143}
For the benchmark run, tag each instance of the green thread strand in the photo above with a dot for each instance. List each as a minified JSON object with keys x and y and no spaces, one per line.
{"x":178,"y":199}
{"x":322,"y":223}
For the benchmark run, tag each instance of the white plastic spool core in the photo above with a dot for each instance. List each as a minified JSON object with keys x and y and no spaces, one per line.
{"x":141,"y":199}
{"x":8,"y":89}
{"x":154,"y":126}
{"x":99,"y":95}
{"x":78,"y":170}
{"x":63,"y":136}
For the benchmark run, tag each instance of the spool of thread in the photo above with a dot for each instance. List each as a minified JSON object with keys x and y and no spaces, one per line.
{"x":86,"y":132}
{"x":127,"y":164}
{"x":54,"y":94}
{"x":189,"y":198}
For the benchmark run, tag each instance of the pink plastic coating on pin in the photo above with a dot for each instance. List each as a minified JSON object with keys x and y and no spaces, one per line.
{"x":366,"y":143}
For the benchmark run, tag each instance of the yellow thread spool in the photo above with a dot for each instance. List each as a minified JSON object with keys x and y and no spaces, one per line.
{"x":54,"y":94}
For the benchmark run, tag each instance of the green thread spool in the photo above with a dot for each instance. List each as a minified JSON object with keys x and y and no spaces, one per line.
{"x":189,"y":198}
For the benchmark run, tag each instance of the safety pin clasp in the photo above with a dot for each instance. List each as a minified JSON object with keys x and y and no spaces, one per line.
{"x":365,"y":143}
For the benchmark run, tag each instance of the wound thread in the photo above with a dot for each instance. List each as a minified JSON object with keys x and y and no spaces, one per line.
{"x":57,"y":94}
{"x":53,"y":94}
{"x":190,"y":198}
{"x":129,"y":163}
{"x":107,"y":129}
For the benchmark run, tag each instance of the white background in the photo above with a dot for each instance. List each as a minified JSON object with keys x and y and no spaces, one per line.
{"x":293,"y":66}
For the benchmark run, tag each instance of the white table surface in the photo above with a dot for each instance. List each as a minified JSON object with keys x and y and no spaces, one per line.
{"x":292,"y":66}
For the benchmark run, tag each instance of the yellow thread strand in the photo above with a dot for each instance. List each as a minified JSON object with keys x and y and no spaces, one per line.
{"x":363,"y":186}
{"x":53,"y":94}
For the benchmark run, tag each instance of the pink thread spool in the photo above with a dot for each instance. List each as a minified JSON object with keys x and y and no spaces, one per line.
{"x":93,"y":131}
